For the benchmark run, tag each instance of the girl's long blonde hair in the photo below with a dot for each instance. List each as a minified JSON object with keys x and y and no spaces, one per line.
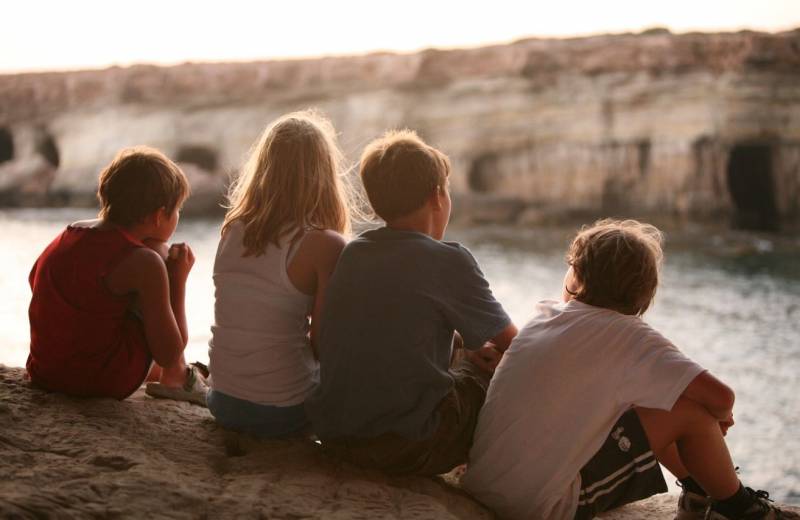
{"x":293,"y":180}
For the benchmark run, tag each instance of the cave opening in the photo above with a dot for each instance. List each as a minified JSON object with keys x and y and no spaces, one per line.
{"x":199,"y":155}
{"x":6,"y":145}
{"x":47,"y":148}
{"x":752,"y":188}
{"x":483,"y":175}
{"x":643,"y":149}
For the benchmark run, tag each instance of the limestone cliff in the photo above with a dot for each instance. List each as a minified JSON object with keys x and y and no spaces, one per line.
{"x":693,"y":125}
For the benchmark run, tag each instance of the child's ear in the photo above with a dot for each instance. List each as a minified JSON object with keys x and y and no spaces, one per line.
{"x":157,"y":217}
{"x":436,"y":198}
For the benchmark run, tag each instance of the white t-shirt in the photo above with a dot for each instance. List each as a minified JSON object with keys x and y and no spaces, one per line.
{"x":259,"y":350}
{"x":572,"y":371}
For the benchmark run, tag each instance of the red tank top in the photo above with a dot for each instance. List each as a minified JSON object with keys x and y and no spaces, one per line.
{"x":85,"y":340}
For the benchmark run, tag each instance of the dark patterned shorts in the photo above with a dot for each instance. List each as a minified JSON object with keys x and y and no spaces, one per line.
{"x":623,"y":470}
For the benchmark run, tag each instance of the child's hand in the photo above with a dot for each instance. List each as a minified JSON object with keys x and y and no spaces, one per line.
{"x":179,"y":261}
{"x":486,"y":358}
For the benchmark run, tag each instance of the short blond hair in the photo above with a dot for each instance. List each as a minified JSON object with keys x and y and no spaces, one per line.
{"x":400,"y":171}
{"x":291,"y":181}
{"x":616,"y":264}
{"x":137,"y":182}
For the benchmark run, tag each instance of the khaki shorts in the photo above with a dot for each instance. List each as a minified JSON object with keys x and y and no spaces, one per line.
{"x":447,"y":448}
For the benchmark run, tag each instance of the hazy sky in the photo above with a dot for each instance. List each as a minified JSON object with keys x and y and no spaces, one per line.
{"x":68,"y":34}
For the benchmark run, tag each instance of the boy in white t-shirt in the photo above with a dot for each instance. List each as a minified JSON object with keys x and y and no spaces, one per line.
{"x":589,"y":398}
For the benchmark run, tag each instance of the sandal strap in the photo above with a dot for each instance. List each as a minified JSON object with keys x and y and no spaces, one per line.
{"x":191,"y":378}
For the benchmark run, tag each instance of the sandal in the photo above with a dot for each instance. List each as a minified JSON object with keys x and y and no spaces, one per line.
{"x":194,"y":390}
{"x":202,"y":368}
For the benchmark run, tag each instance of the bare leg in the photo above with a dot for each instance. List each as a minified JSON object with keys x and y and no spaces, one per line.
{"x":174,"y":375}
{"x":154,"y":374}
{"x":701,"y":449}
{"x":671,"y":460}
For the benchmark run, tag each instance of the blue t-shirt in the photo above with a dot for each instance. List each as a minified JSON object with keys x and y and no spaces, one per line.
{"x":387,"y":332}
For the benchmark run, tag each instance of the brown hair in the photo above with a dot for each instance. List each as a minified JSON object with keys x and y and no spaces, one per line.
{"x":400,"y":171}
{"x":137,"y":182}
{"x":616,"y":264}
{"x":293,"y":179}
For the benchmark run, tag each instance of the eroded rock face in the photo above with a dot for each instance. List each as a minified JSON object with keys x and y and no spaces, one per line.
{"x":694,"y":125}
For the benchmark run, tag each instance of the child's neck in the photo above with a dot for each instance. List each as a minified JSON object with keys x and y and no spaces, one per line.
{"x":138,"y":231}
{"x":418,"y":222}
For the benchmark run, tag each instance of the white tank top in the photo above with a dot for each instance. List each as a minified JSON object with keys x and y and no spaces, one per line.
{"x":259,"y":349}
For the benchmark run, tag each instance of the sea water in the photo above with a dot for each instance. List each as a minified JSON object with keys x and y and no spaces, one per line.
{"x":730,"y":300}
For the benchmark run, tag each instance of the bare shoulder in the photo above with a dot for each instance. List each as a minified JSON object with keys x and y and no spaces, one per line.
{"x":143,"y":262}
{"x":145,"y":258}
{"x":326,"y":239}
{"x":142,"y":267}
{"x":323,"y":247}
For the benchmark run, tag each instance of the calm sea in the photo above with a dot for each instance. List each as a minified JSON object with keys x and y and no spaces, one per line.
{"x":729,"y":300}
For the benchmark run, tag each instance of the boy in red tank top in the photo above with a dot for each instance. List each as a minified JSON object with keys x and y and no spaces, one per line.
{"x":108,"y":294}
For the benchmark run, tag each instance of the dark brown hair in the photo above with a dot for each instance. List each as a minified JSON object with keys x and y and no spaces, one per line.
{"x":616,"y":264}
{"x":137,"y":182}
{"x":400,"y":172}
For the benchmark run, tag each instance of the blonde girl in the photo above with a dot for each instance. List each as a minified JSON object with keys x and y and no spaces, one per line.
{"x":280,"y":241}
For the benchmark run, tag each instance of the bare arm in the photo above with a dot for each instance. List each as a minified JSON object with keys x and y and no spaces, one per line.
{"x":713,"y":394}
{"x":179,"y":262}
{"x":503,"y":340}
{"x":144,"y":273}
{"x":329,"y":250}
{"x":489,"y":355}
{"x":180,"y":254}
{"x":311,"y":270}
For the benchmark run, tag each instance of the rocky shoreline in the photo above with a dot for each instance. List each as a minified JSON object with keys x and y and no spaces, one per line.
{"x":63,"y":457}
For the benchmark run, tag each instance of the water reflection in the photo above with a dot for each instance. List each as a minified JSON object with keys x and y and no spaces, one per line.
{"x":730,"y":300}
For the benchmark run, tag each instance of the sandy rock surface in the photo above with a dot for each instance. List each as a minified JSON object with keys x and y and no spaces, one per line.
{"x":62,"y":457}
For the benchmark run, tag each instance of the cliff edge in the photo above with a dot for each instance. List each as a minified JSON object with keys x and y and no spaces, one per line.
{"x":67,"y":457}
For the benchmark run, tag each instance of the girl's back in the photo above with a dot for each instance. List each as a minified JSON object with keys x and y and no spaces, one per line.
{"x":281,"y":239}
{"x":260,"y":348}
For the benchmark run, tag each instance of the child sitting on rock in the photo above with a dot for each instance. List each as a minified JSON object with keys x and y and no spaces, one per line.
{"x":389,"y":398}
{"x":108,"y":294}
{"x":280,"y":242}
{"x":589,"y":398}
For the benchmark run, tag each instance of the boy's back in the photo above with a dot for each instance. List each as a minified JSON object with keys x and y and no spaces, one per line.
{"x":391,"y":308}
{"x":566,"y":379}
{"x":83,"y":339}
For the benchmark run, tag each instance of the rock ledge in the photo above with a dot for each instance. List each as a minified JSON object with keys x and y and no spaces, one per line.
{"x":66,"y":457}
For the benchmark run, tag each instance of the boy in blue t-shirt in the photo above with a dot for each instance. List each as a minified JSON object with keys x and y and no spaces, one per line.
{"x":397,"y":305}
